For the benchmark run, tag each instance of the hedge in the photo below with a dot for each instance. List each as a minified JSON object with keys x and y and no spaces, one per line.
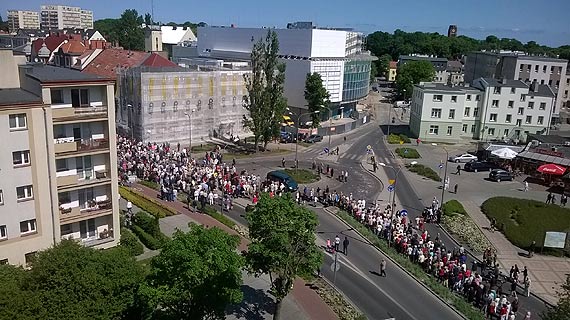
{"x":130,"y":242}
{"x":408,"y":153}
{"x":424,"y":171}
{"x":396,"y":139}
{"x":522,"y":220}
{"x":144,"y":203}
{"x":150,"y":184}
{"x":453,"y":207}
{"x":149,"y":241}
{"x":149,"y":224}
{"x":220,"y":217}
{"x":460,"y":304}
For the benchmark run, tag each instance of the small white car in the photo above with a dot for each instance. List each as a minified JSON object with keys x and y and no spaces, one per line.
{"x":466,"y":157}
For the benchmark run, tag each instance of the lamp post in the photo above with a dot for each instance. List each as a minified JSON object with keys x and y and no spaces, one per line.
{"x":444,"y":172}
{"x":297,"y":134}
{"x":396,"y":173}
{"x":189,"y":115}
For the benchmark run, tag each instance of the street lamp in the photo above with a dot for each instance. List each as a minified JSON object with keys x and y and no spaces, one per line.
{"x":445,"y":172}
{"x":189,"y":115}
{"x":297,"y":134}
{"x":396,"y":173}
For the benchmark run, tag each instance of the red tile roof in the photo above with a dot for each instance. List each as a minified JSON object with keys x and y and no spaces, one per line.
{"x":73,"y":46}
{"x":109,"y":60}
{"x":156,"y":60}
{"x":393,"y":65}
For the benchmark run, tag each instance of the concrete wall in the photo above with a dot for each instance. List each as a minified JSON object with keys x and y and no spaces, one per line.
{"x":10,"y":76}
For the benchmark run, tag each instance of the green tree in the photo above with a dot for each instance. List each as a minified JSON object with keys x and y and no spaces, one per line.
{"x":195,"y":276}
{"x":383,"y":64}
{"x":148,"y":19}
{"x":316,"y":96}
{"x":16,"y":301}
{"x":562,"y":310}
{"x":265,"y":101}
{"x":411,"y":73}
{"x":129,"y":31}
{"x":282,"y":243}
{"x":108,"y":28}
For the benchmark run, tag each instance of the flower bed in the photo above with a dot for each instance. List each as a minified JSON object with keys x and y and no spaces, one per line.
{"x":408,"y":153}
{"x":424,"y":171}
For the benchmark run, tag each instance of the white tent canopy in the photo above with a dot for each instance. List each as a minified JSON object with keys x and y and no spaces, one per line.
{"x":504,"y":153}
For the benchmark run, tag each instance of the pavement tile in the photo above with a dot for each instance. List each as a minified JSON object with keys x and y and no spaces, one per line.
{"x":547,"y":276}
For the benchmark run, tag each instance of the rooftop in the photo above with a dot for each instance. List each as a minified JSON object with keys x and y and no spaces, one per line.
{"x":110,"y":61}
{"x":510,"y":83}
{"x":431,"y":86}
{"x":47,"y":73}
{"x":426,"y":58}
{"x":543,"y":91}
{"x":17,"y":96}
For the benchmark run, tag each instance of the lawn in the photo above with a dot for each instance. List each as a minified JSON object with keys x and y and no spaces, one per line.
{"x":302,"y":175}
{"x":424,"y":171}
{"x":251,"y":154}
{"x":204,"y":147}
{"x":408,"y":153}
{"x":523,"y":221}
{"x":398,"y":139}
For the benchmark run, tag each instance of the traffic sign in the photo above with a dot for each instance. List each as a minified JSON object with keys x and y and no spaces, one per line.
{"x":401,"y":142}
{"x":440,"y":165}
{"x":326,"y":150}
{"x":404,"y":212}
{"x":405,"y":150}
{"x":391,"y":181}
{"x":368,"y":147}
{"x":390,"y":188}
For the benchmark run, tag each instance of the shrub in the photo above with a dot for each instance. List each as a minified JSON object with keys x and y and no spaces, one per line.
{"x":220,"y":217}
{"x":424,"y":171}
{"x":453,"y":207}
{"x":130,"y":242}
{"x":408,"y":153}
{"x":393,"y":139}
{"x":404,"y":138}
{"x":148,"y":240}
{"x":148,"y":223}
{"x":149,"y":205}
{"x":526,"y":220}
{"x":150,"y":184}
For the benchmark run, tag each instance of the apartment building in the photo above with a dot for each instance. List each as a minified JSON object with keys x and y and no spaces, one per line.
{"x":487,"y":110}
{"x":23,"y":19}
{"x":61,"y":17}
{"x":59,"y":172}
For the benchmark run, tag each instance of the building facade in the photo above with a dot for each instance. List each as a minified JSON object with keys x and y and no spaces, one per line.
{"x":60,"y":166}
{"x":392,"y":71}
{"x":487,"y":110}
{"x":439,"y":65}
{"x":23,"y":19}
{"x":61,"y":17}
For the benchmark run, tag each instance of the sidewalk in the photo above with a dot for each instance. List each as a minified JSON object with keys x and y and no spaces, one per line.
{"x":302,"y":303}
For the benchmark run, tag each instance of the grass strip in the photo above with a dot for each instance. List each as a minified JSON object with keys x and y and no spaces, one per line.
{"x":146,"y":204}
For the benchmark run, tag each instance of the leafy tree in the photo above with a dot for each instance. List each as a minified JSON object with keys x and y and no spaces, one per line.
{"x":108,"y":28}
{"x":195,"y":276}
{"x":148,"y":19}
{"x":16,"y":301}
{"x":373,"y":71}
{"x":411,"y":73}
{"x":282,"y":243}
{"x":265,"y":101}
{"x":562,"y":310}
{"x":383,"y":64}
{"x":316,"y":96}
{"x":129,"y":31}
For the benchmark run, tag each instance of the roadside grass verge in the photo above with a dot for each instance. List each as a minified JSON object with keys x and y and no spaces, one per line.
{"x":408,"y":153}
{"x":424,"y":171}
{"x":146,"y":204}
{"x":456,"y":220}
{"x":302,"y":175}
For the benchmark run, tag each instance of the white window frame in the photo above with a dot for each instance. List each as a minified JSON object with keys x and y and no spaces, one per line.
{"x":508,"y":118}
{"x":476,"y":112}
{"x":28,"y":193}
{"x":467,"y":112}
{"x":468,"y":98}
{"x":495,"y":103}
{"x":451,"y":114}
{"x":436,"y":113}
{"x":513,"y":90}
{"x":528,"y":120}
{"x":519,"y":122}
{"x":31,"y":226}
{"x":520,"y":112}
{"x":1,"y":197}
{"x":540,"y":120}
{"x":3,"y":232}
{"x":491,"y":131}
{"x":542,"y":106}
{"x":21,"y":121}
{"x":493,"y":117}
{"x":511,"y":104}
{"x":434,"y":129}
{"x":437,"y":100}
{"x":23,"y":156}
{"x":472,"y":128}
{"x":454,"y":99}
{"x":530,"y":105}
{"x":449,"y":130}
{"x":464,"y":128}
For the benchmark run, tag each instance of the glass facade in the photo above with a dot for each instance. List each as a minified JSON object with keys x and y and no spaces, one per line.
{"x":356,"y":80}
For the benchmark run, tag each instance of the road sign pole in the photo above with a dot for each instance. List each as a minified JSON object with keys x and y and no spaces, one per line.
{"x":335,"y":267}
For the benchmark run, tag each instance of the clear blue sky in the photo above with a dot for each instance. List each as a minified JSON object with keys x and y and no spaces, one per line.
{"x":545,"y":21}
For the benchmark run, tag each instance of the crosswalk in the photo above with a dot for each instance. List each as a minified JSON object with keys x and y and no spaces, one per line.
{"x":347,"y":156}
{"x":350,"y":156}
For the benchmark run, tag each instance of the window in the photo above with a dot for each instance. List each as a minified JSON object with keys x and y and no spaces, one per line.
{"x":542,"y":81}
{"x":523,"y":98}
{"x":544,"y":69}
{"x":453,"y":98}
{"x":557,"y":83}
{"x":521,"y":111}
{"x":433,"y":129}
{"x":4,"y":262}
{"x":551,"y":69}
{"x":64,"y":198}
{"x":540,"y":120}
{"x":491,"y":131}
{"x":495,"y":104}
{"x":1,"y":197}
{"x":511,"y":104}
{"x":21,"y":158}
{"x":467,"y":112}
{"x":18,"y":121}
{"x":79,"y":98}
{"x":24,"y":192}
{"x":449,"y":130}
{"x":476,"y":112}
{"x":536,"y":68}
{"x":436,"y":113}
{"x":61,"y":165}
{"x":542,"y":106}
{"x":30,"y":257}
{"x":506,"y":132}
{"x":519,"y":122}
{"x":437,"y":97}
{"x":468,"y":97}
{"x":528,"y":67}
{"x":56,"y":96}
{"x":493,"y":117}
{"x":528,"y":119}
{"x":451,"y":113}
{"x":464,"y":128}
{"x":477,"y":98}
{"x":508,"y":118}
{"x":531,"y":104}
{"x":497,"y":90}
{"x":472,"y":128}
{"x":513,"y":90}
{"x":3,"y":232}
{"x":28,"y":226}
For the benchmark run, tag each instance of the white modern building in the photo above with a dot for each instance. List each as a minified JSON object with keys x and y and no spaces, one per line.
{"x":337,"y":55}
{"x":23,"y":19}
{"x":61,"y":17}
{"x":488,"y":110}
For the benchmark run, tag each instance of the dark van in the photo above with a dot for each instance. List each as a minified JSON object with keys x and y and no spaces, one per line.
{"x":283,"y":177}
{"x":477,"y":166}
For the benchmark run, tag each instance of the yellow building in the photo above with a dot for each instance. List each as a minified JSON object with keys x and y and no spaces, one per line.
{"x":392,"y":71}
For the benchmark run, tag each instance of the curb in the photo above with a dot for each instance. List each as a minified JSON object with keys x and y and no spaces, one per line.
{"x":373,"y":175}
{"x":399,"y":266}
{"x":342,"y":294}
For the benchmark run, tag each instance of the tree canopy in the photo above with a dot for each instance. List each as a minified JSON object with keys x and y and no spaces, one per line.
{"x":562,"y":310}
{"x":195,"y":276}
{"x":282,"y":243}
{"x":404,"y":43}
{"x":413,"y":72}
{"x":316,"y":96}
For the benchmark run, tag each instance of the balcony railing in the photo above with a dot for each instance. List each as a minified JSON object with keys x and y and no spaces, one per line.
{"x":92,"y":144}
{"x":69,"y":112}
{"x":93,"y":208}
{"x":67,"y":145}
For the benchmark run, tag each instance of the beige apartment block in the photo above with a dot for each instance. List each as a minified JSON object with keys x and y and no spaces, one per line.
{"x":59,"y":172}
{"x":23,"y":19}
{"x":61,"y":17}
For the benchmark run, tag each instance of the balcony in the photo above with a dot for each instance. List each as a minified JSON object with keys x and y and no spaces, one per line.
{"x":69,"y":113}
{"x":92,"y":209}
{"x":68,"y":145}
{"x":89,"y":232}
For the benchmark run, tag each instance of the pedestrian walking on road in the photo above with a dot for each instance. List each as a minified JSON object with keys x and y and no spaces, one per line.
{"x":531,"y":249}
{"x":336,"y":243}
{"x":549,"y":198}
{"x":525,"y":186}
{"x":345,"y":244}
{"x":458,"y":172}
{"x":383,"y":268}
{"x":283,"y":162}
{"x":455,"y":188}
{"x":527,"y":287}
{"x":129,"y":207}
{"x":346,"y":176}
{"x":332,"y":172}
{"x":563,"y":200}
{"x":374,"y":166}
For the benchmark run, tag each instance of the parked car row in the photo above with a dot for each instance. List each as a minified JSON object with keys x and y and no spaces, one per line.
{"x":288,"y":137}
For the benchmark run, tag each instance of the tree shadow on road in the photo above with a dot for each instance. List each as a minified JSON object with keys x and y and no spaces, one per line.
{"x":257,"y":304}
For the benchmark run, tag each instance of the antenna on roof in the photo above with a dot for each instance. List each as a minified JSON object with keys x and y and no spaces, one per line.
{"x":152,"y":11}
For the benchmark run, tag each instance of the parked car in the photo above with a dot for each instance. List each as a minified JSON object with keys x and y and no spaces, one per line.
{"x":314,"y":138}
{"x":476,"y":166}
{"x":500,"y":175}
{"x":466,"y":157}
{"x":283,"y":177}
{"x":286,"y":137}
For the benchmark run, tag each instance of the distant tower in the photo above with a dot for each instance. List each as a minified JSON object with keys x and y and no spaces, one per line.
{"x":452,"y":31}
